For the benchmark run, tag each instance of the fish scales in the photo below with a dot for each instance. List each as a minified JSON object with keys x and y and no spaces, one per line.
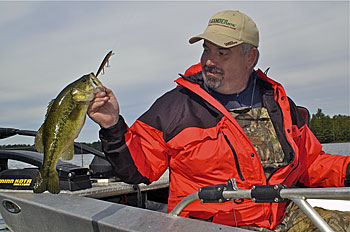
{"x":64,"y":119}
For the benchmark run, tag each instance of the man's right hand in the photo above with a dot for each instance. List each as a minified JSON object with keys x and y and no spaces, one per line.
{"x":104,"y":109}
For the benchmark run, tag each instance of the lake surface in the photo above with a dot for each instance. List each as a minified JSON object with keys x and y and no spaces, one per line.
{"x":337,"y":148}
{"x":84,"y":160}
{"x":78,"y":159}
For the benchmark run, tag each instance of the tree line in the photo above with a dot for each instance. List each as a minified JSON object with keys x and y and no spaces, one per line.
{"x":330,"y":129}
{"x":97,"y":145}
{"x":326,"y":129}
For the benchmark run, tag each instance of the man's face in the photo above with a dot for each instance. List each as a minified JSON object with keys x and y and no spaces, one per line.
{"x":224,"y":69}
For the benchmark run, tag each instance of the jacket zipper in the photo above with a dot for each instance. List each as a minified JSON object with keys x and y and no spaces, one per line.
{"x":235,"y":157}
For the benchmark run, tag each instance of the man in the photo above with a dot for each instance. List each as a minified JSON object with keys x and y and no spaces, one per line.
{"x":224,"y":120}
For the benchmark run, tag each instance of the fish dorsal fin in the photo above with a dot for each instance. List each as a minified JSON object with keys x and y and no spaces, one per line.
{"x":49,"y":107}
{"x":68,"y":153}
{"x":39,"y":144}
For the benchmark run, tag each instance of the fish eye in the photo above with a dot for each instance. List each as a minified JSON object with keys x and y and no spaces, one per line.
{"x":83,"y":80}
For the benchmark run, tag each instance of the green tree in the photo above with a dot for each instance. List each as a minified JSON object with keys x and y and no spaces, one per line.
{"x":327,"y":129}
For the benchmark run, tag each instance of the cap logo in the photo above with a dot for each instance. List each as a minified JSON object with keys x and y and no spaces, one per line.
{"x":222,"y":22}
{"x":230,"y":43}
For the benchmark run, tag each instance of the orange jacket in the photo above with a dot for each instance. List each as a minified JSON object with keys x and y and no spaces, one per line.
{"x":192,"y":134}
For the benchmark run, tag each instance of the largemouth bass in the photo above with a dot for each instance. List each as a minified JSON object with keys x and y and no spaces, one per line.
{"x":64,"y":119}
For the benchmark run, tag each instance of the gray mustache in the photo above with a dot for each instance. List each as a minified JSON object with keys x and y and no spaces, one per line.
{"x":213,"y":69}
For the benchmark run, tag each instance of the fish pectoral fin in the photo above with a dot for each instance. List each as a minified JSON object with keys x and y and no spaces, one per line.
{"x":69,"y":153}
{"x":39,"y":144}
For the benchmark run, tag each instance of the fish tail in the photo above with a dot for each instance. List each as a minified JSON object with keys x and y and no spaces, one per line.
{"x":53,"y":184}
{"x":40,"y":184}
{"x":50,"y":183}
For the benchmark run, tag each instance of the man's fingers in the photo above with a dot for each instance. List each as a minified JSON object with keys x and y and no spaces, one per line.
{"x":100,"y":94}
{"x":108,"y":91}
{"x":101,"y":99}
{"x":96,"y":104}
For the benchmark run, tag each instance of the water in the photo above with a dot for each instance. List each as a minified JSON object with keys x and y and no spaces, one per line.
{"x":337,"y":148}
{"x":84,"y":160}
{"x":78,"y":159}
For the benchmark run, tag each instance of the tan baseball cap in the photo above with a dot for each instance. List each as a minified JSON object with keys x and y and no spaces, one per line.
{"x":230,"y":28}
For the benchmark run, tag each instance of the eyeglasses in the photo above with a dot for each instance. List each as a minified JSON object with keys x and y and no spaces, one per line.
{"x":245,"y":109}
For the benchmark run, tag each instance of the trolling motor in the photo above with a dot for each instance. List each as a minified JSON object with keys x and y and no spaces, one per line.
{"x":267,"y":193}
{"x":72,"y":177}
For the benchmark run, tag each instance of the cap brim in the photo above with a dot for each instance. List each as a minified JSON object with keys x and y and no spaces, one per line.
{"x":216,"y":38}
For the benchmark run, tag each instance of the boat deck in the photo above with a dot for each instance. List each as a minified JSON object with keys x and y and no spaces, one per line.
{"x":102,"y":188}
{"x":107,"y":188}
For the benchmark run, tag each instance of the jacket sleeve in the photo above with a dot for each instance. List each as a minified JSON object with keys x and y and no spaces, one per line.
{"x":321,"y":169}
{"x":136,"y":153}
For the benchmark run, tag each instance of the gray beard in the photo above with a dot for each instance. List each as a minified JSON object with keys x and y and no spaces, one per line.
{"x":213,"y":82}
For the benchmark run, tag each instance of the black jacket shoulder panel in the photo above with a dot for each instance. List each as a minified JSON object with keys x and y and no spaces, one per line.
{"x":297,"y":118}
{"x":178,"y":109}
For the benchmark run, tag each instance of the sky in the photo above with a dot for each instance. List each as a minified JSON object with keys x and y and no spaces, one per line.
{"x":46,"y":45}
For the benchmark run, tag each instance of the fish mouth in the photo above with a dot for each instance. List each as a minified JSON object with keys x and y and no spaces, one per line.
{"x":97,"y":84}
